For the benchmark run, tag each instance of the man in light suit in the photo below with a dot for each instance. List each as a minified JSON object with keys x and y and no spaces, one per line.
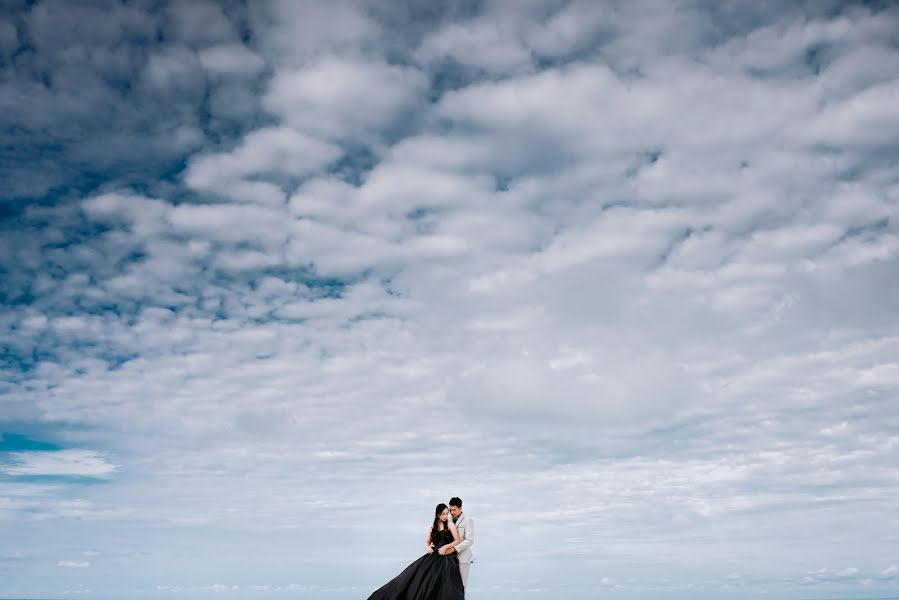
{"x":465,"y":525}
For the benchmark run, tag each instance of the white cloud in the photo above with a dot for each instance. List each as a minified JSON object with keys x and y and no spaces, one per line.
{"x":173,"y":70}
{"x":483,"y":44}
{"x":864,"y":119}
{"x":201,"y":21}
{"x":323,"y":98}
{"x":85,"y":463}
{"x":273,"y":151}
{"x":231,"y":59}
{"x":612,"y":393}
{"x":71,"y":564}
{"x":293,"y":34}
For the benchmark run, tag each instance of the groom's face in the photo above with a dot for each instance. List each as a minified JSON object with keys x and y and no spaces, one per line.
{"x":455,"y":511}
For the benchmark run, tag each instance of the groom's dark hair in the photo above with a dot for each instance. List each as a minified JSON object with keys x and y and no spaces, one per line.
{"x":456,"y":501}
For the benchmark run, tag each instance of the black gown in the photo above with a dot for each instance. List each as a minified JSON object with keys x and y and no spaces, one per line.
{"x":431,"y":577}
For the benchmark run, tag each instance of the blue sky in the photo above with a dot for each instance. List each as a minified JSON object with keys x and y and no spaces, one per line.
{"x":279,"y":277}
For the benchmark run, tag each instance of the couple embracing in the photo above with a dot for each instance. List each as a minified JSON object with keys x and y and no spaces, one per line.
{"x":441,"y":574}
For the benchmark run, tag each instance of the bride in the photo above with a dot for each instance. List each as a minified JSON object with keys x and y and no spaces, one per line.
{"x":434,"y":576}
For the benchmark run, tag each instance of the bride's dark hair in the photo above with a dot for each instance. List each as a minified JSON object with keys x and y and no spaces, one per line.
{"x":434,"y":528}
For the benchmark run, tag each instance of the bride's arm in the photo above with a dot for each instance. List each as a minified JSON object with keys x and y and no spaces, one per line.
{"x":455,"y":531}
{"x":429,"y":547}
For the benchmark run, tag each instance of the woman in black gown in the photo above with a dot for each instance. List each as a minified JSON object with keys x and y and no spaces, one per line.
{"x":434,"y":576}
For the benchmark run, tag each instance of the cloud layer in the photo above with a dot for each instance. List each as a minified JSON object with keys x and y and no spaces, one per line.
{"x":278,"y":278}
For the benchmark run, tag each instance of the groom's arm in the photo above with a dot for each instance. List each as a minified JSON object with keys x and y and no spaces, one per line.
{"x":468,"y":536}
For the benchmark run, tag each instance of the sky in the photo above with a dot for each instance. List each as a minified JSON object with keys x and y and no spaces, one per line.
{"x":277,"y":277}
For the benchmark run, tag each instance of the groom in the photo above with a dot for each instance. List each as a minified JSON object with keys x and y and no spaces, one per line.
{"x":465,"y":525}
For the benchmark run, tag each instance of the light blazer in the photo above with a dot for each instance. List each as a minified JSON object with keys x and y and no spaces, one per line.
{"x":465,"y":525}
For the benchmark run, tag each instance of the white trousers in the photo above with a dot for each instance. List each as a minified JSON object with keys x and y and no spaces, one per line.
{"x":463,"y":570}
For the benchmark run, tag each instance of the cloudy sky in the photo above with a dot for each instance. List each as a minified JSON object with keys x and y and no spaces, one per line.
{"x":277,"y":277}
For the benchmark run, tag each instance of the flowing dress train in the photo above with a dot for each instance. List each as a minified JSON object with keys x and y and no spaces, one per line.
{"x":431,"y":577}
